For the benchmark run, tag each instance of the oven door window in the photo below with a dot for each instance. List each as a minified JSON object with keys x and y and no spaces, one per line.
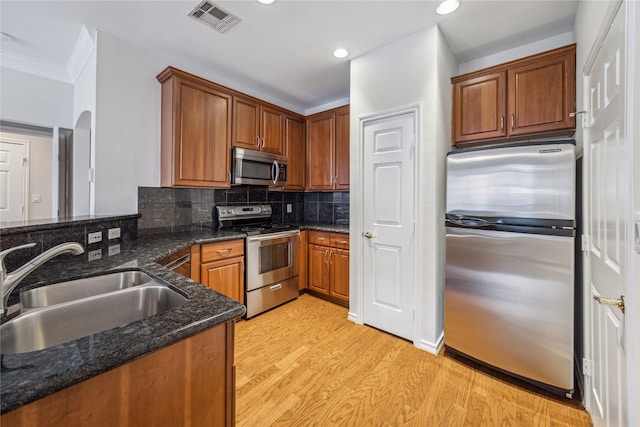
{"x":274,"y":257}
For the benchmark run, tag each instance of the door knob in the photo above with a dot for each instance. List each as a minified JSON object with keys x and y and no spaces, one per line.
{"x":368,"y":235}
{"x":613,"y":302}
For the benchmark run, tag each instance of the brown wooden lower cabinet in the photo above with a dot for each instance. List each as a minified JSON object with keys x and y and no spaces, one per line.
{"x":189,"y":383}
{"x":328,"y":273}
{"x":220,"y":266}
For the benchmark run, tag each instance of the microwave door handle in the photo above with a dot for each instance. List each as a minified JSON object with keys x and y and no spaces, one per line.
{"x":275,"y":168}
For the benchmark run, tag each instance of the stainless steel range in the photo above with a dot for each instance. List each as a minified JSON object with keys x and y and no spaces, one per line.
{"x":271,"y":255}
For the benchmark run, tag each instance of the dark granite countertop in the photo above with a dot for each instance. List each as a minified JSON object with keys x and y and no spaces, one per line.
{"x":27,"y":377}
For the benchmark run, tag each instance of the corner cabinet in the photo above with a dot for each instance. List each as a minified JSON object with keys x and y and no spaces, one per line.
{"x":533,"y":96}
{"x":328,"y":150}
{"x":328,"y":266}
{"x":257,"y":126}
{"x":195,"y":131}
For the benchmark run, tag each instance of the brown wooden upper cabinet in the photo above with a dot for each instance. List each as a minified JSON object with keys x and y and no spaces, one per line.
{"x":257,"y":126}
{"x":328,"y":150}
{"x":530,"y":96}
{"x":295,"y":151}
{"x":195,"y":131}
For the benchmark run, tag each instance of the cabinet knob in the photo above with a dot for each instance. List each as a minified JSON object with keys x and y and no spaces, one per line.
{"x":368,"y":235}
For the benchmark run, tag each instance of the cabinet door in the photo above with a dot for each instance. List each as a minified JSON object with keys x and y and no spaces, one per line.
{"x":295,"y":148}
{"x":319,"y":269}
{"x":226,"y":277}
{"x":320,"y":152}
{"x":342,"y":149}
{"x":479,"y":108}
{"x":272,"y":135}
{"x":202,"y":139}
{"x":542,"y":95}
{"x":246,"y":124}
{"x":339,"y":275}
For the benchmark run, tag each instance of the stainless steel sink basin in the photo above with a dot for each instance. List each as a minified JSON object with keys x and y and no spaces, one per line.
{"x":82,"y":288}
{"x":45,"y":327}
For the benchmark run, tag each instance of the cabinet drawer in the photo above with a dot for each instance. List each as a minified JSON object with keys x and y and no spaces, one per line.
{"x":339,"y":240}
{"x":222,"y":250}
{"x":319,"y":238}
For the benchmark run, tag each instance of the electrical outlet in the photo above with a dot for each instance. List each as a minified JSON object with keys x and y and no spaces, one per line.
{"x":94,"y":255}
{"x":114,"y":249}
{"x":114,"y":233}
{"x":289,"y":208}
{"x":94,"y":237}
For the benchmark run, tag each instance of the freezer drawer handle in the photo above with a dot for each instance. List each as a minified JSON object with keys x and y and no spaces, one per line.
{"x":613,"y":302}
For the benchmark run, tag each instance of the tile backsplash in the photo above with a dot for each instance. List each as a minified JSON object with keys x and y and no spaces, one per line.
{"x":179,"y":207}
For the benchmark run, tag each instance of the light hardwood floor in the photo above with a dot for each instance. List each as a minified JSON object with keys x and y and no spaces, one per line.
{"x":305,"y":364}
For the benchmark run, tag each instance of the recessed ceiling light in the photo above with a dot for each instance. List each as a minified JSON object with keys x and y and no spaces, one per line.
{"x":340,"y":53}
{"x":447,"y":6}
{"x":266,"y":1}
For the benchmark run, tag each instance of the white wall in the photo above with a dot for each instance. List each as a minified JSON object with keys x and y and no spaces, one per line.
{"x":127,"y":124}
{"x":517,"y":53}
{"x":84,"y":122}
{"x":415,"y":69}
{"x":30,"y":99}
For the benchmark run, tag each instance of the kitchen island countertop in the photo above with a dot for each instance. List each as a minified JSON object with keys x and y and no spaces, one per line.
{"x":27,"y":377}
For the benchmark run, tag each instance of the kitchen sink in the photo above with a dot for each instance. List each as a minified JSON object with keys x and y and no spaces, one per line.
{"x":44,"y":327}
{"x":82,"y":288}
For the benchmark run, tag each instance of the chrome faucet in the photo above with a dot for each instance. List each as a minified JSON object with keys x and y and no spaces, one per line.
{"x":9,"y":281}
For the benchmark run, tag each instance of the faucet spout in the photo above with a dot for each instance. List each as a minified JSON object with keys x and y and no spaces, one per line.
{"x":9,"y":281}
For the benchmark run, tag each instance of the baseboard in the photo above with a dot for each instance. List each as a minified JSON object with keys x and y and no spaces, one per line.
{"x":434,"y":348}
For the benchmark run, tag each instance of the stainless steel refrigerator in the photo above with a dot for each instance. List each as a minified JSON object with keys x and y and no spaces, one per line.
{"x":509,"y":279}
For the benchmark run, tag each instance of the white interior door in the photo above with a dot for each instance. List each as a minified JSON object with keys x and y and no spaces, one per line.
{"x":389,"y":213}
{"x":607,"y":205}
{"x":14,"y":158}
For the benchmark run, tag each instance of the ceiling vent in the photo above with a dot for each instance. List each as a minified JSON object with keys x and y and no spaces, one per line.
{"x":211,"y":15}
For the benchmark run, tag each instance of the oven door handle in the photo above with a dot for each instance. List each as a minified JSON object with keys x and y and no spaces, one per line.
{"x":272,"y":236}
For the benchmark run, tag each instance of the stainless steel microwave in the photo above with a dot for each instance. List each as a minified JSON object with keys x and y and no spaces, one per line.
{"x":258,"y":168}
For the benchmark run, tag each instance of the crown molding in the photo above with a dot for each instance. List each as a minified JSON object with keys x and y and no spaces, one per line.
{"x":34,"y":66}
{"x":81,"y":53}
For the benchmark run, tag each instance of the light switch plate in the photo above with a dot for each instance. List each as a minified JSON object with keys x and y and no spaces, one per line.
{"x":114,"y":249}
{"x":114,"y":233}
{"x":289,"y":208}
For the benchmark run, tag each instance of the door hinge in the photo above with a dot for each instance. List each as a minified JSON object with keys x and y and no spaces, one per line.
{"x":92,"y":174}
{"x":587,"y":367}
{"x":586,"y":242}
{"x":25,"y":161}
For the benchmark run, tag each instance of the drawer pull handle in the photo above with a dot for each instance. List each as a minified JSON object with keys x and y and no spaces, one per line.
{"x":223,"y":250}
{"x":275,"y":287}
{"x":342,"y":242}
